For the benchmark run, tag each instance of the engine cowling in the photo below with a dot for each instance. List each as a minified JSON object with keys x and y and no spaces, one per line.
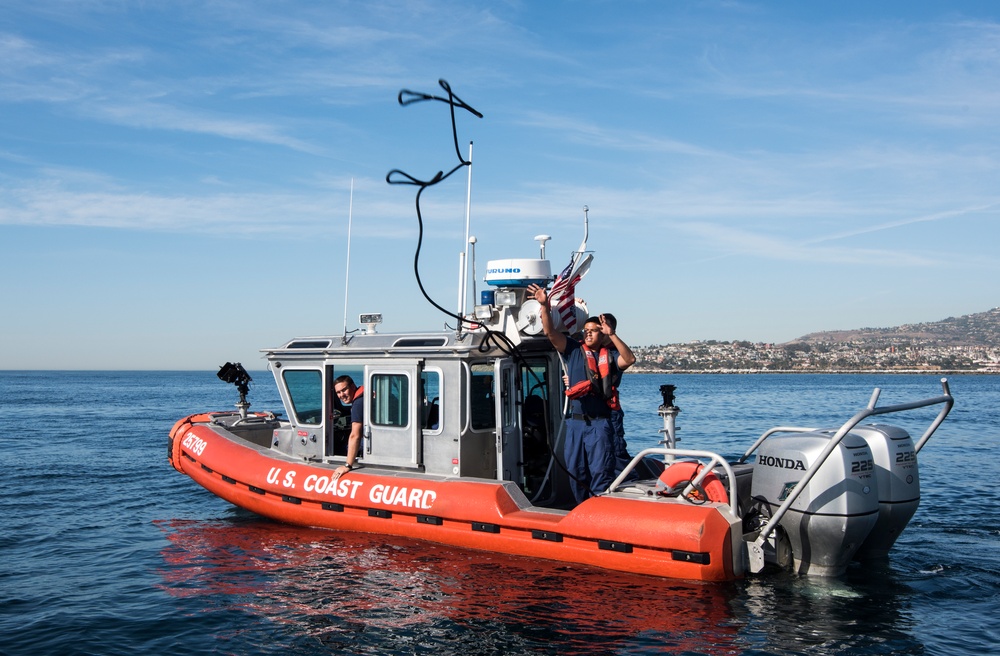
{"x":898,"y":480}
{"x":835,"y":512}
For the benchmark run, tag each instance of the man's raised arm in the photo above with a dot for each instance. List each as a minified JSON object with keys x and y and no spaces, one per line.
{"x":557,"y":338}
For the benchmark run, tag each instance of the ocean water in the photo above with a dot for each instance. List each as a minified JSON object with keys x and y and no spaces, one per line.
{"x":105,"y":549}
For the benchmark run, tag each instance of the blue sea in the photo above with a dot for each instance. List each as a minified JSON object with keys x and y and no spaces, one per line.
{"x":105,"y":549}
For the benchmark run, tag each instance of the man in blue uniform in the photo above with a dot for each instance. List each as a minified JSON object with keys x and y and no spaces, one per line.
{"x":348,"y":392}
{"x":589,"y":449}
{"x":622,"y":457}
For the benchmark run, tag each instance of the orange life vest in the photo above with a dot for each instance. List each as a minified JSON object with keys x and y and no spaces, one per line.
{"x":598,"y":379}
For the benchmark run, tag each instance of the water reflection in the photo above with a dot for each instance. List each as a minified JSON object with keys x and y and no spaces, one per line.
{"x":865,"y":612}
{"x":371,"y":593}
{"x":287,"y":589}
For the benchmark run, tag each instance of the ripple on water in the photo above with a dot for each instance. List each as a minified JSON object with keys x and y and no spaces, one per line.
{"x":108,"y":550}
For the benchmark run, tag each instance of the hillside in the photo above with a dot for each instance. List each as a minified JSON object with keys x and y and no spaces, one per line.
{"x":970,"y":343}
{"x":981,"y":329}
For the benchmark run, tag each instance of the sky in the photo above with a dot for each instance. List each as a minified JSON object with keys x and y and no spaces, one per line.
{"x":176,"y":177}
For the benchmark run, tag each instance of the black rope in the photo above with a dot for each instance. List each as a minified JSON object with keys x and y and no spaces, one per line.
{"x":397,"y":176}
{"x":492,"y":338}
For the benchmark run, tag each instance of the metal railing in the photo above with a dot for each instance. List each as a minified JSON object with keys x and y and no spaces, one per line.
{"x":714,"y":460}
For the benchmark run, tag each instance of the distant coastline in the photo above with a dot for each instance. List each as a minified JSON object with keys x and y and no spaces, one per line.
{"x":969,"y":344}
{"x":912,"y":357}
{"x":900,"y":372}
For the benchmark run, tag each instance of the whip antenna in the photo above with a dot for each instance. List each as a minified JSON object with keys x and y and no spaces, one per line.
{"x":463,"y":283}
{"x":347,"y":275}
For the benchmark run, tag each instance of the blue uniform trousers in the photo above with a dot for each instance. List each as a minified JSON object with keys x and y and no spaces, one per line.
{"x":589,"y":455}
{"x":622,"y":458}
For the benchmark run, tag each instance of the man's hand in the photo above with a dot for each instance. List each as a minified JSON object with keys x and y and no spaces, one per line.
{"x":606,"y":327}
{"x":539,"y":294}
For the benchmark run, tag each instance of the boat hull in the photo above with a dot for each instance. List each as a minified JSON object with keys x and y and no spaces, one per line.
{"x":641,"y":534}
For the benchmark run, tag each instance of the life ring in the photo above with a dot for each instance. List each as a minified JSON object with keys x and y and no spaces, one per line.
{"x":676,"y":477}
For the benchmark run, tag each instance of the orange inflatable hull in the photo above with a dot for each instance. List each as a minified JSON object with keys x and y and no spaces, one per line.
{"x":659,"y":537}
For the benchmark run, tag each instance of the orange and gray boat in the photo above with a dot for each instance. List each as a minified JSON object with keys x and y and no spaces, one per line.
{"x":461,"y":445}
{"x":464,"y":429}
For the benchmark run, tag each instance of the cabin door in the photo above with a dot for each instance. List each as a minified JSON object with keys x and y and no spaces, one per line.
{"x":509,"y":460}
{"x":392,"y":426}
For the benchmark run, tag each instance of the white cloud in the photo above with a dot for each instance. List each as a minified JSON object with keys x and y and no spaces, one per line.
{"x":56,"y":203}
{"x":736,"y":241}
{"x":160,"y":116}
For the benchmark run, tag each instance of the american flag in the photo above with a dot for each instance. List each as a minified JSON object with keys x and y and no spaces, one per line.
{"x":562,"y":296}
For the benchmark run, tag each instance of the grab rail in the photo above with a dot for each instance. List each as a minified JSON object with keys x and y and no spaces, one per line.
{"x":757,"y":547}
{"x":714,"y":460}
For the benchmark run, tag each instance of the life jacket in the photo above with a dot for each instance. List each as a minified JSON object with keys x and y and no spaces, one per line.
{"x":598,"y":379}
{"x":358,"y":393}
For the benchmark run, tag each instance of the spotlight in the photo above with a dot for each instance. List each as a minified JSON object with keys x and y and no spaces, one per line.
{"x":235,"y":374}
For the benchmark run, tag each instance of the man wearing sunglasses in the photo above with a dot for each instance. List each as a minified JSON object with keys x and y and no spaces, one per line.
{"x":593,"y":366}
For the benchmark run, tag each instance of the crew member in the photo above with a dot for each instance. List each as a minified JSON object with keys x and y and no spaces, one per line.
{"x":622,"y":457}
{"x":348,"y":392}
{"x":589,"y":445}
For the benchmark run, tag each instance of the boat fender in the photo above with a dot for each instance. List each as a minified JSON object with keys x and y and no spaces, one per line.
{"x":177,"y":433}
{"x":180,"y":426}
{"x":677,"y":476}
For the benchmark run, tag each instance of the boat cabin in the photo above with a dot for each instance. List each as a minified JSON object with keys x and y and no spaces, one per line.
{"x":443,"y":404}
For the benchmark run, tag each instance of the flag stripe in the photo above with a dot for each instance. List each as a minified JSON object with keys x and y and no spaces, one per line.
{"x":563,"y":296}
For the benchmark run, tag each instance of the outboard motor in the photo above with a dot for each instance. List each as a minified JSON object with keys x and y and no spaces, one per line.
{"x":898,"y":481}
{"x":829,"y":519}
{"x":861,"y":488}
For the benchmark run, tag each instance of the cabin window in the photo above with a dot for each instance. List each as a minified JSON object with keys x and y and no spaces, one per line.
{"x":305,"y":391}
{"x":482,"y":404}
{"x":507,"y":393}
{"x":430,"y":399}
{"x":534,"y":382}
{"x":390,"y":396}
{"x":310,"y":344}
{"x":534,"y":379}
{"x":420,"y":342}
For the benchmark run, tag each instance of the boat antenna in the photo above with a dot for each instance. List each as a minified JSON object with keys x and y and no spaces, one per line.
{"x":464,"y":280}
{"x":541,"y":239}
{"x":347,"y":275}
{"x":472,"y":249}
{"x":586,"y":233}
